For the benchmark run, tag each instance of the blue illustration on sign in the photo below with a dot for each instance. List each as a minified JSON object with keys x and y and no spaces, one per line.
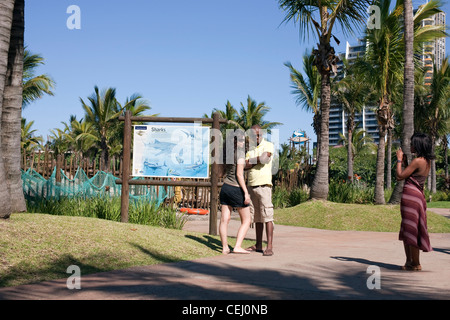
{"x":171,"y":151}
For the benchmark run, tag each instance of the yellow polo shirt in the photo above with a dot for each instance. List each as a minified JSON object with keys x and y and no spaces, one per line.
{"x":260,"y":174}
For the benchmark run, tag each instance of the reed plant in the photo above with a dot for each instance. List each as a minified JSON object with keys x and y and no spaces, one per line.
{"x":108,"y":208}
{"x":345,"y":192}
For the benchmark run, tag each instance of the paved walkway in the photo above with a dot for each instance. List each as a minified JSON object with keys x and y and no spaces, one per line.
{"x":307,"y":264}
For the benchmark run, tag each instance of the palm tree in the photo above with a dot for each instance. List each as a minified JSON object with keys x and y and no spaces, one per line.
{"x":230,"y":114}
{"x":360,"y":141}
{"x":102,"y":110}
{"x":137,"y":105}
{"x":321,"y":16}
{"x":11,"y":112}
{"x":353,"y":92}
{"x":383,"y":64}
{"x":58,"y":142}
{"x":307,"y":90}
{"x":28,"y":141}
{"x":415,"y":37}
{"x":408,"y":79}
{"x":6,"y":18}
{"x":432,"y":115}
{"x":102,"y":113}
{"x":81,"y":136}
{"x":254,"y":113}
{"x":34,"y":87}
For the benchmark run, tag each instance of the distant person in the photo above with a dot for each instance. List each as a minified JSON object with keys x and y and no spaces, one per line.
{"x":413,"y":207}
{"x":234,"y":193}
{"x":259,"y":165}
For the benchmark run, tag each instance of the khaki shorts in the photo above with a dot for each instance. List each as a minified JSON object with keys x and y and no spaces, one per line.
{"x":261,"y":207}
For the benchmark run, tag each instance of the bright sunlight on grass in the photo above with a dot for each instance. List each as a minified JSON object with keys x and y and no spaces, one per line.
{"x":358,"y":217}
{"x":38,"y":247}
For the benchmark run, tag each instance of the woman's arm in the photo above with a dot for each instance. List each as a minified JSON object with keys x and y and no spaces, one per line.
{"x":409,"y":170}
{"x":240,"y":178}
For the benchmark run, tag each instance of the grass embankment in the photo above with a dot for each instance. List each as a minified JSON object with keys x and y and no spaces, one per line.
{"x":358,"y":217}
{"x":38,"y":247}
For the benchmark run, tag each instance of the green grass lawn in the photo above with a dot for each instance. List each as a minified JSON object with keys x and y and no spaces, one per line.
{"x":358,"y":217}
{"x":439,"y":204}
{"x":38,"y":247}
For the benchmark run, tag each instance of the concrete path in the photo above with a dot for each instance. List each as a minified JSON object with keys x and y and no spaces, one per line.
{"x":307,"y":264}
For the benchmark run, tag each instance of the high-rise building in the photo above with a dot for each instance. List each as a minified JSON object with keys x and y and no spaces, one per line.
{"x":366,"y":119}
{"x":433,"y":51}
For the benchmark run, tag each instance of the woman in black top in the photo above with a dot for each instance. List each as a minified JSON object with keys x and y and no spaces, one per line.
{"x":234,"y":193}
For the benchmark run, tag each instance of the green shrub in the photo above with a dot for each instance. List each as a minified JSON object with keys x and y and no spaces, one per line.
{"x":108,"y":208}
{"x":344,"y":192}
{"x":282,"y":198}
{"x":298,"y":196}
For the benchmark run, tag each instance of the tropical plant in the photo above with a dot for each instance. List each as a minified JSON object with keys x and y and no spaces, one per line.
{"x":81,"y":135}
{"x":58,"y":142}
{"x":433,"y":114}
{"x":230,"y":114}
{"x":307,"y":90}
{"x":383,"y":64}
{"x":102,"y":110}
{"x":353,"y":92}
{"x":253,"y":113}
{"x":34,"y":87}
{"x":28,"y":141}
{"x":321,"y":16}
{"x":137,"y":105}
{"x":415,"y":37}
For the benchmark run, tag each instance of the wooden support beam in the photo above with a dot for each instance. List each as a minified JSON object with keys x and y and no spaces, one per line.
{"x":125,"y":196}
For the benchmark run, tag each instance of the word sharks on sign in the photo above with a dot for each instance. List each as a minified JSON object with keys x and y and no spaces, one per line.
{"x":171,"y":151}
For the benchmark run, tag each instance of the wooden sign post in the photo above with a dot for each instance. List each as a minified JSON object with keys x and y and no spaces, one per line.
{"x":126,"y":177}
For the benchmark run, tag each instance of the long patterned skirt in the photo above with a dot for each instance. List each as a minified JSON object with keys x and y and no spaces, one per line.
{"x":413,"y":207}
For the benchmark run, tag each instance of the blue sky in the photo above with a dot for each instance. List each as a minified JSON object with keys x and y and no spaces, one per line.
{"x":184,"y":57}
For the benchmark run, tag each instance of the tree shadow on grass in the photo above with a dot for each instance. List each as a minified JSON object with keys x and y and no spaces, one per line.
{"x":159,"y":257}
{"x":55,"y":269}
{"x":208,"y":241}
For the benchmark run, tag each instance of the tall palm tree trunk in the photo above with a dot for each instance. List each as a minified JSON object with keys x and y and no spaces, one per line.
{"x":350,"y":126}
{"x":385,"y":122}
{"x":408,"y":94}
{"x":445,"y":146}
{"x":389,"y":160}
{"x":6,"y":17}
{"x":433,"y":166}
{"x":12,"y":110}
{"x":379,"y":181}
{"x":317,"y":124}
{"x":319,"y":187}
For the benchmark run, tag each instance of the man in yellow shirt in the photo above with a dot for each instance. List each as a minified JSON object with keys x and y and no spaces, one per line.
{"x":259,"y":166}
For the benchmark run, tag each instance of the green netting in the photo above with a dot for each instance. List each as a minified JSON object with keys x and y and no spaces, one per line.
{"x":81,"y":186}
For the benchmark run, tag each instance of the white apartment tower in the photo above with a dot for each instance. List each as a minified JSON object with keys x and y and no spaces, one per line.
{"x":434,"y":50}
{"x":367,"y":118}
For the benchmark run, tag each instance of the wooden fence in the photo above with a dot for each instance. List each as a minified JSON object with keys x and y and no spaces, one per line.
{"x":45,"y":162}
